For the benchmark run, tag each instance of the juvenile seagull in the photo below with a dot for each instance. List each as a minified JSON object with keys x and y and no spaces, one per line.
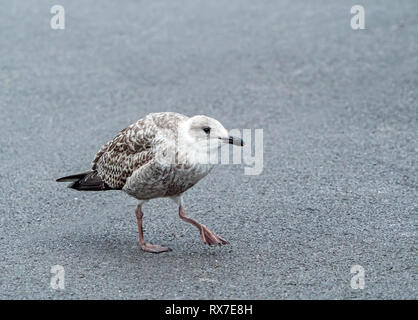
{"x":161,"y":155}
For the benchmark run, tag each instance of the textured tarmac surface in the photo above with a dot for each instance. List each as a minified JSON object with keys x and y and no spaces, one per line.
{"x":339,"y":112}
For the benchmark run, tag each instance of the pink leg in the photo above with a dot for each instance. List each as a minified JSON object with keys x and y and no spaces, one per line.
{"x":154,"y":248}
{"x":208,"y":236}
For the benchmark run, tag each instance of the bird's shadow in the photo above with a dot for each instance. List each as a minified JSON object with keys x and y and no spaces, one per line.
{"x":125,"y":249}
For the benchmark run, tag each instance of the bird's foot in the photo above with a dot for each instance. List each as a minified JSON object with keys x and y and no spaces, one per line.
{"x":154,"y":248}
{"x":210,"y":238}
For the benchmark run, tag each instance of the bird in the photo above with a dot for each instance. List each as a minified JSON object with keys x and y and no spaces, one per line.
{"x":162,"y":155}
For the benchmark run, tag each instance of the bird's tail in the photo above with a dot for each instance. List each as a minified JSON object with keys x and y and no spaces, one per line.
{"x":87,"y":181}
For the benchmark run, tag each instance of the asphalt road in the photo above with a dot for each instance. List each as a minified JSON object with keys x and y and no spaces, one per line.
{"x":339,"y":112}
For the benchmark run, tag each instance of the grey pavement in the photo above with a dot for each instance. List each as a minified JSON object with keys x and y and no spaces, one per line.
{"x":338,"y":108}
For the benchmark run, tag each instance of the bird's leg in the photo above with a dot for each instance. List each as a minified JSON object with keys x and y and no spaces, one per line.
{"x":208,"y":236}
{"x":154,"y":248}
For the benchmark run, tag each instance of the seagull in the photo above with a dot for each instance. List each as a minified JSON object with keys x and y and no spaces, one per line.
{"x":162,"y":155}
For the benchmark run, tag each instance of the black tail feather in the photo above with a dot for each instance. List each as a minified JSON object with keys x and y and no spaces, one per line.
{"x":73,"y":177}
{"x":87,"y":181}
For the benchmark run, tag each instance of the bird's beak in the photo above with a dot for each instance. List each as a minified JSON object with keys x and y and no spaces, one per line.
{"x":233,"y":140}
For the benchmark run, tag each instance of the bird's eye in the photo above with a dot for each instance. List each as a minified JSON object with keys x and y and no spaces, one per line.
{"x":206,"y":129}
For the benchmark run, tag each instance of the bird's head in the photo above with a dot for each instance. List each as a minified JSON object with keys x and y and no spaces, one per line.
{"x":204,"y":133}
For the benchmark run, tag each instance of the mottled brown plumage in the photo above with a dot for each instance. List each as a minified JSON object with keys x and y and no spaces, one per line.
{"x":134,"y":147}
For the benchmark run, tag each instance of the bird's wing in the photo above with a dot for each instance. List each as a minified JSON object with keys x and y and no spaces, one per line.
{"x":129,"y":150}
{"x":134,"y":147}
